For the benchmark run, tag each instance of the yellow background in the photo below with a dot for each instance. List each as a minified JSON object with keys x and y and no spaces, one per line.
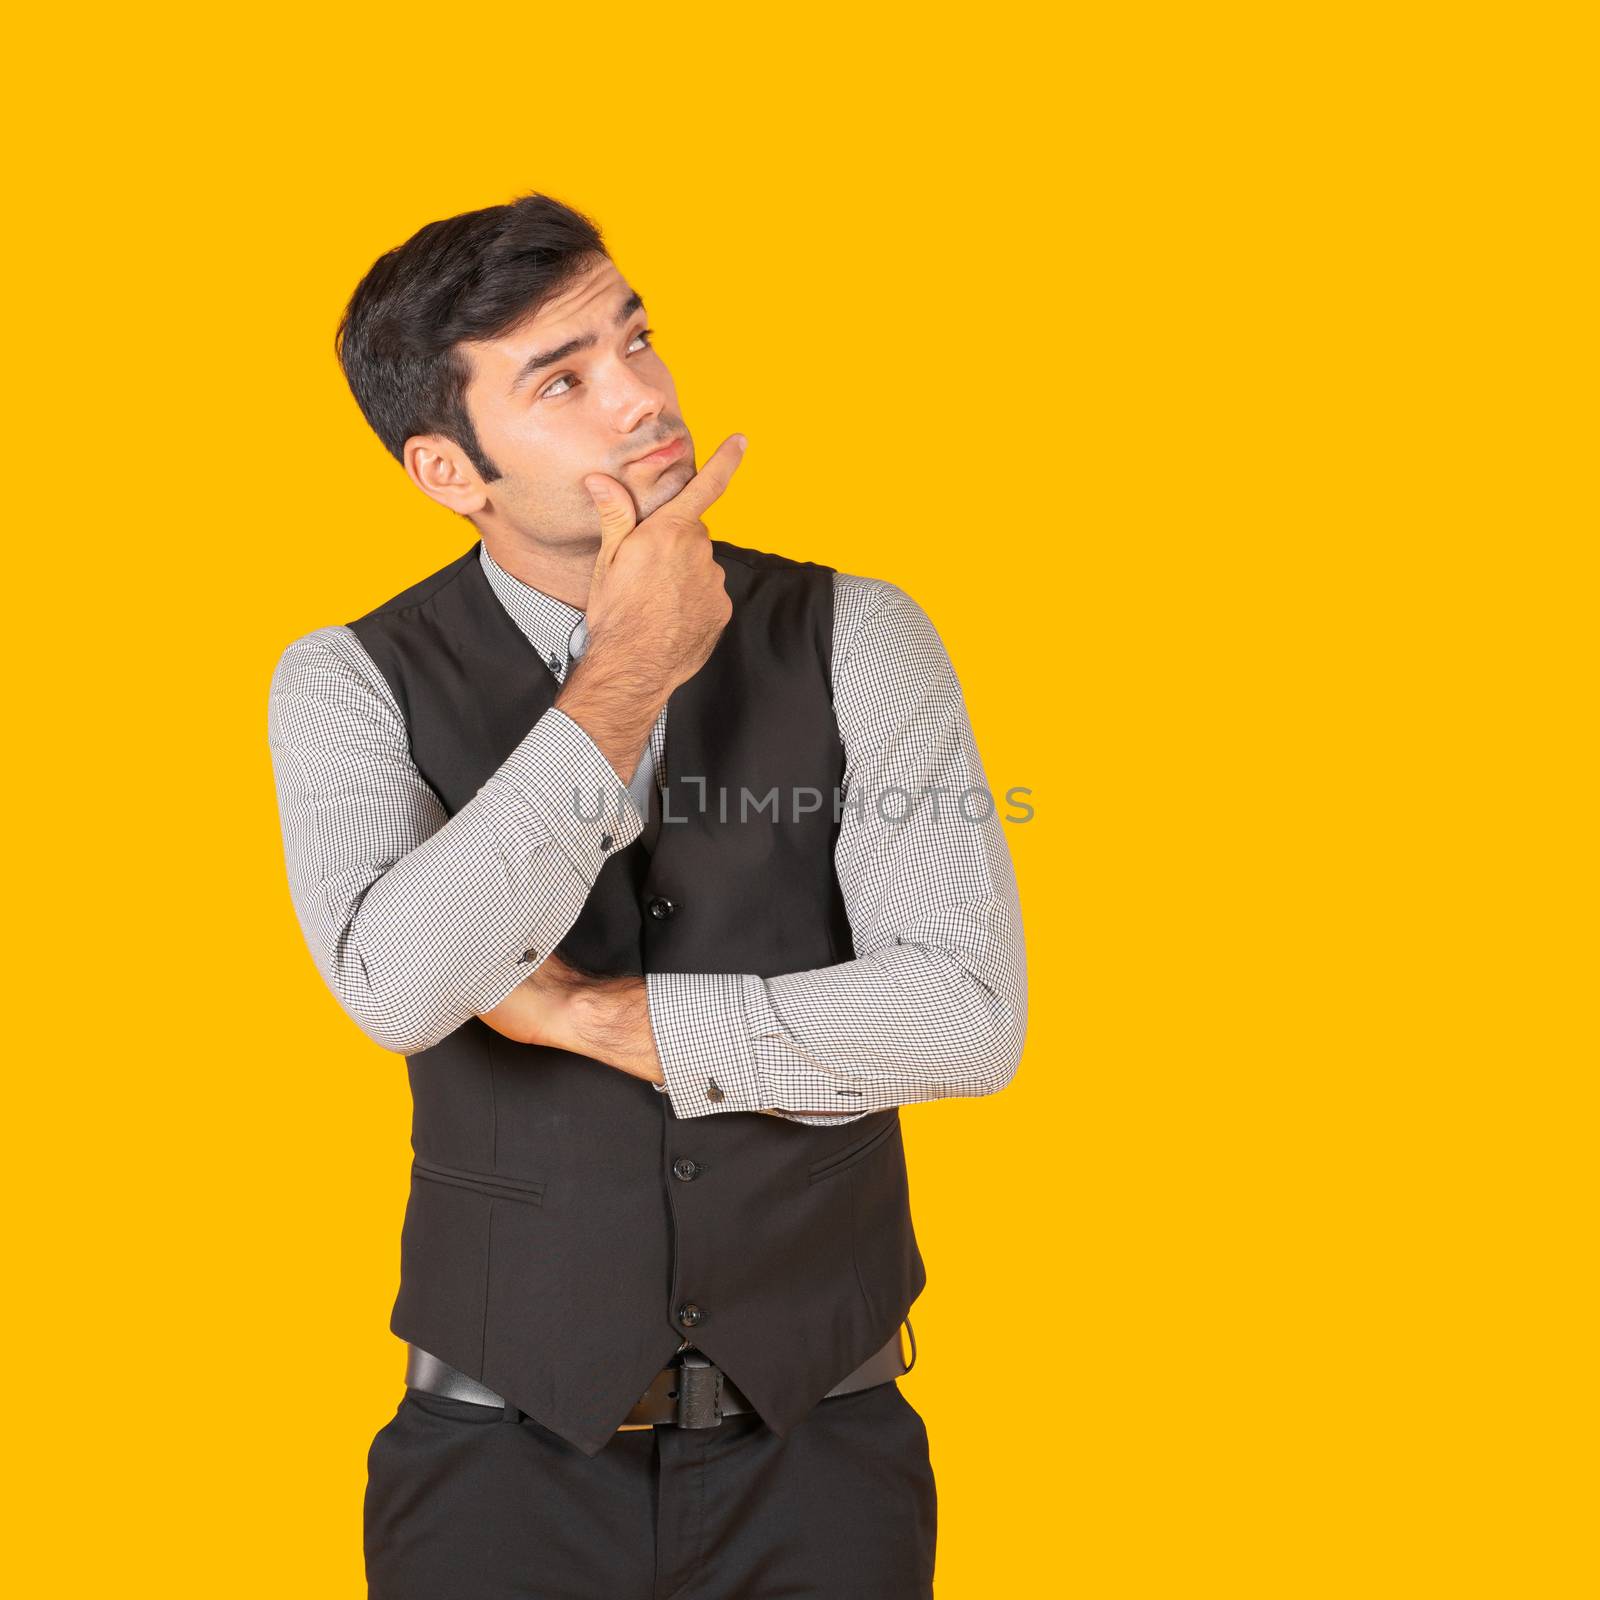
{"x":1219,"y":379}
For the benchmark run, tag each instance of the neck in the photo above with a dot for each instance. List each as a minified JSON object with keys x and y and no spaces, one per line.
{"x":564,"y":572}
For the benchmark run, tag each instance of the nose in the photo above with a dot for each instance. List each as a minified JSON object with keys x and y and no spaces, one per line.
{"x":633,"y":400}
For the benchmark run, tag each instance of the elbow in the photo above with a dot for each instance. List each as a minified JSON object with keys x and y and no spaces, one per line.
{"x":997,"y":1068}
{"x":993,"y":1049}
{"x":405,"y":1035}
{"x":1010,"y":1013}
{"x":389,"y":1016}
{"x":401,"y":1042}
{"x":1010,"y":1055}
{"x":1013,"y":1060}
{"x":983,"y":1017}
{"x":383,"y":998}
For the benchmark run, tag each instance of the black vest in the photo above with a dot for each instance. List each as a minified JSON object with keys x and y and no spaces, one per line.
{"x":548,"y":1247}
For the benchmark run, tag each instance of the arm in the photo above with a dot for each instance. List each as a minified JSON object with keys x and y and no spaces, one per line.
{"x":417,"y":921}
{"x":935,"y":1002}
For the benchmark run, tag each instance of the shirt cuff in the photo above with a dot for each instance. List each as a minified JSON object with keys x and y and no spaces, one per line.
{"x":559,"y":771}
{"x":702,"y":1038}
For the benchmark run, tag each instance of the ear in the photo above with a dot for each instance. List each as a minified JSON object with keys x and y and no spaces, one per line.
{"x":440,"y":469}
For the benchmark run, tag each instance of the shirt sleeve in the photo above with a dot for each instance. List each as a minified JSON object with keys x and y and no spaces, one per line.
{"x":934,"y":1004}
{"x":415,"y":919}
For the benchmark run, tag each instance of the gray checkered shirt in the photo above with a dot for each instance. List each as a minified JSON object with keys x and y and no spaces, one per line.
{"x":418,"y":921}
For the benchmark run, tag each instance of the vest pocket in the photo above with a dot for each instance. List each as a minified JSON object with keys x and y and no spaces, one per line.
{"x":843,"y":1160}
{"x":888,"y":1263}
{"x":526,"y":1190}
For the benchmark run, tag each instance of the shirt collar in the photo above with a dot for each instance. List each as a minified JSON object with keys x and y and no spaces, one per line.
{"x":555,"y":629}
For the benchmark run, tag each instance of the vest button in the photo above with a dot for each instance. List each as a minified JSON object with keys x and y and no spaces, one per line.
{"x":686,"y":1169}
{"x":661,"y":908}
{"x":690,"y":1315}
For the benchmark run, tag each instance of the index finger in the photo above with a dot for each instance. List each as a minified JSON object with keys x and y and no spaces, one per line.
{"x":709,"y":482}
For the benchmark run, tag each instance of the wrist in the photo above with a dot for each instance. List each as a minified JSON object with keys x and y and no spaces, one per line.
{"x":610,"y":1019}
{"x":617,"y":673}
{"x":616,"y":709}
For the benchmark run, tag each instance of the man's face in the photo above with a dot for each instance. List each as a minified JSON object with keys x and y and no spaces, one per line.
{"x":605,"y":399}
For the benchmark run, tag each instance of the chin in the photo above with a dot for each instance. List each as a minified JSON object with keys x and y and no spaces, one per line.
{"x":670,"y":481}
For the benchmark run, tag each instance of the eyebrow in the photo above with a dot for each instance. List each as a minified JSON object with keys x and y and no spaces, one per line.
{"x":548,"y":358}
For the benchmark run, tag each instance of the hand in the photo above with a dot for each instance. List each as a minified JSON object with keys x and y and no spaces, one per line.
{"x":606,"y":1018}
{"x":657,"y":600}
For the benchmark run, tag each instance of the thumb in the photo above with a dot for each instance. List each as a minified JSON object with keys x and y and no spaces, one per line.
{"x":617,"y":518}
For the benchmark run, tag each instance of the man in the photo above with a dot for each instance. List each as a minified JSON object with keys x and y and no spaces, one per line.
{"x":670,"y":866}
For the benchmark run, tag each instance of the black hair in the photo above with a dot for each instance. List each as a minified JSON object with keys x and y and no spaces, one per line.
{"x":468,"y":277}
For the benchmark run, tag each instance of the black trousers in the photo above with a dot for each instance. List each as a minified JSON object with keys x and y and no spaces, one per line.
{"x":463,"y":1505}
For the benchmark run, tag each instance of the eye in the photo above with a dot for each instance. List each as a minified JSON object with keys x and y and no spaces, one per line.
{"x":550,"y":391}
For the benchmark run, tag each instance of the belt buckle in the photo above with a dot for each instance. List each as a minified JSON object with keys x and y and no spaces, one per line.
{"x":699,"y":1391}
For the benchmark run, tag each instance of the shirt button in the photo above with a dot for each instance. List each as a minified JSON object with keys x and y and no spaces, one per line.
{"x":530,"y":955}
{"x":605,"y":841}
{"x":661,"y":908}
{"x":690,"y":1315}
{"x":554,"y":662}
{"x":713,"y":1090}
{"x":686,"y":1169}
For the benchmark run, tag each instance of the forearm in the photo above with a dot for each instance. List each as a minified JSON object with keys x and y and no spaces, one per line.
{"x":935,"y":1002}
{"x":615,"y":698}
{"x":605,"y":1018}
{"x":906,"y":1023}
{"x":496,"y":888}
{"x":417,"y":921}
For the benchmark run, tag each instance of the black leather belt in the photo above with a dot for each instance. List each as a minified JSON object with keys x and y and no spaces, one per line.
{"x":691,"y":1391}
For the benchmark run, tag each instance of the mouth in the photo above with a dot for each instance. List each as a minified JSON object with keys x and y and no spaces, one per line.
{"x":659,"y":458}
